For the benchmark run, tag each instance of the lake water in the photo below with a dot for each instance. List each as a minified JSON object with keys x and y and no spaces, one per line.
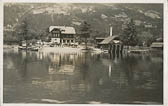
{"x":43,"y":77}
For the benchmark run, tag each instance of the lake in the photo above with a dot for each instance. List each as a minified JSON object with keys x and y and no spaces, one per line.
{"x":82,"y":77}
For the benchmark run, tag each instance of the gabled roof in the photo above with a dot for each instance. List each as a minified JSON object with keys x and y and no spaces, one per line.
{"x":64,"y":29}
{"x":100,"y":38}
{"x":159,"y":39}
{"x":109,"y":39}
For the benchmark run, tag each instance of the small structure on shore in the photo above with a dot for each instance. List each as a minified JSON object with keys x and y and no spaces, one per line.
{"x":157,"y":45}
{"x":112,"y":44}
{"x":62,"y":34}
{"x":105,"y":44}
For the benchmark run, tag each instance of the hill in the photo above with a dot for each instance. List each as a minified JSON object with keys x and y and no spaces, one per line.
{"x":147,"y":17}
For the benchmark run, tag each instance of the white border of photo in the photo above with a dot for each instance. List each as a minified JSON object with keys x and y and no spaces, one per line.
{"x":165,"y":59}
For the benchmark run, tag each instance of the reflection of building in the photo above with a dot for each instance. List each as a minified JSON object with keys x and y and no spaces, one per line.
{"x":62,"y":64}
{"x":113,"y":74}
{"x":62,"y":34}
{"x":67,"y":69}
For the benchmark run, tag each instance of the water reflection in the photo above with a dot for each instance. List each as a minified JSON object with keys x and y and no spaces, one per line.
{"x":82,"y":78}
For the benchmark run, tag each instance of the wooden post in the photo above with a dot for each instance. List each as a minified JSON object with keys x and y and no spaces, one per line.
{"x":121,"y":50}
{"x":110,"y":47}
{"x":113,"y":48}
{"x":85,"y":43}
{"x":118,"y":49}
{"x":26,"y":45}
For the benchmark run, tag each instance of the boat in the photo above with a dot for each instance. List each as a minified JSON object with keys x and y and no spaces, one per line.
{"x":32,"y":48}
{"x":97,"y":50}
{"x":35,"y":48}
{"x":21,"y":48}
{"x":106,"y":51}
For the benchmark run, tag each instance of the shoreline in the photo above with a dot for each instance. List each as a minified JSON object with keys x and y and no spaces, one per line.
{"x":60,"y":49}
{"x":56,"y":49}
{"x":80,"y":48}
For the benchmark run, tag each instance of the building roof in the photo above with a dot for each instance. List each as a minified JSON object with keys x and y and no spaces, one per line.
{"x":157,"y":45}
{"x":109,"y":39}
{"x":100,"y":38}
{"x":159,"y":39}
{"x":64,"y":29}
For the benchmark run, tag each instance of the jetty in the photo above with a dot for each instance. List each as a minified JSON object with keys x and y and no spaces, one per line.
{"x":138,"y":51}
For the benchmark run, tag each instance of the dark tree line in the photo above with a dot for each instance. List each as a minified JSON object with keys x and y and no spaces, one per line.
{"x":85,"y":32}
{"x":129,"y":34}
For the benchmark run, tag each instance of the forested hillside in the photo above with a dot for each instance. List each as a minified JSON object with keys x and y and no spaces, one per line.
{"x":148,"y":18}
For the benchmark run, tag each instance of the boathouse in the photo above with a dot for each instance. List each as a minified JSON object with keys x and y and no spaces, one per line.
{"x":110,"y":40}
{"x":105,"y":44}
{"x":112,"y":43}
{"x":62,"y":34}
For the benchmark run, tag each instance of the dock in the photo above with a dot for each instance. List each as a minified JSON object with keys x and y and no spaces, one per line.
{"x":138,"y":51}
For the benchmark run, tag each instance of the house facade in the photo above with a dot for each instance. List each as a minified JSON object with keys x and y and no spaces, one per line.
{"x":56,"y":34}
{"x":62,"y":34}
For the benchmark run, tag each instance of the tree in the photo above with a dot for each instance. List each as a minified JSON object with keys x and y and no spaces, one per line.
{"x":24,"y":32}
{"x":145,"y":38}
{"x":129,"y":34}
{"x":85,"y":32}
{"x":44,"y":34}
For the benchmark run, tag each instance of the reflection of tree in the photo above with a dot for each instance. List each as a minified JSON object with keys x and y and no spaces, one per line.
{"x":85,"y":67}
{"x":25,"y":60}
{"x":23,"y":70}
{"x":60,"y":60}
{"x":84,"y":72}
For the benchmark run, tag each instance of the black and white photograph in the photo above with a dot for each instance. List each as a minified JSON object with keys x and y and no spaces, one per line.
{"x":83,"y":53}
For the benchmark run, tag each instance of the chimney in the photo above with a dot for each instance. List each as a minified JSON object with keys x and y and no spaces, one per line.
{"x":111,"y":31}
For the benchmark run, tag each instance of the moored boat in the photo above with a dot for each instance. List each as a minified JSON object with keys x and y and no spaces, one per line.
{"x":32,"y":48}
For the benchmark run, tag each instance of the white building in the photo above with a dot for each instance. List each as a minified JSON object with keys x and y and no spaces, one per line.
{"x":62,"y":34}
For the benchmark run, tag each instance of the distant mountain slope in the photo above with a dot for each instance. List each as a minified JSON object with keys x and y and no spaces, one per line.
{"x":40,"y":16}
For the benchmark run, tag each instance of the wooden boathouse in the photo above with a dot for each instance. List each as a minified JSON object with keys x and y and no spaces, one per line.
{"x":112,"y":44}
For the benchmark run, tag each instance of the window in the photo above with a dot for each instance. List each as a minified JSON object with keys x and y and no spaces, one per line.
{"x":72,"y":41}
{"x":67,"y":41}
